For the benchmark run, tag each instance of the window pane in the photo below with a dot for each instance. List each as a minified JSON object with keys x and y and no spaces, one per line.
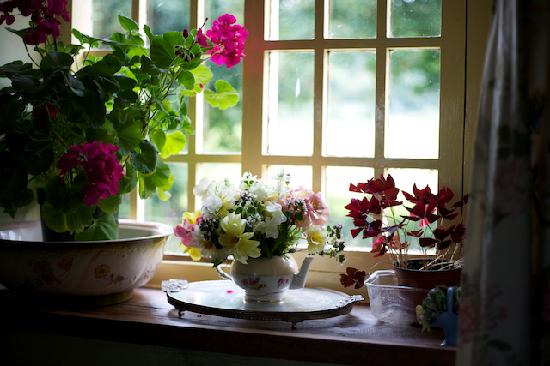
{"x":169,"y":212}
{"x":412,"y":129}
{"x":168,"y":15}
{"x":220,"y":132}
{"x":352,"y":19}
{"x":300,"y":175}
{"x":336,"y":189}
{"x":415,"y":18}
{"x":290,"y":19}
{"x":290,"y":103}
{"x":404,"y":180}
{"x":99,"y":18}
{"x":124,"y":207}
{"x":350,"y":126}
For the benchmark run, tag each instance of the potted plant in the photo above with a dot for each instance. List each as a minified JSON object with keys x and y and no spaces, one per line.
{"x":431,"y":219}
{"x":440,"y":309}
{"x":79,"y":132}
{"x":258,"y":225}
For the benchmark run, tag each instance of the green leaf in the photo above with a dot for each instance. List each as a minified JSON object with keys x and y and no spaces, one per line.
{"x":187,"y":79}
{"x":174,"y":143}
{"x":163,"y":177}
{"x":148,"y":33}
{"x":55,"y":60}
{"x":103,"y":228}
{"x":110,"y":204}
{"x":85,"y":39}
{"x":163,"y":195}
{"x":202,"y":75}
{"x":159,"y":138}
{"x":15,"y":68}
{"x":146,"y":160}
{"x":61,"y":220}
{"x":224,"y":97}
{"x":127,"y":24}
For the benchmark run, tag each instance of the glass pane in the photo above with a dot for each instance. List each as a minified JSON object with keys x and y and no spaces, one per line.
{"x":290,"y":103}
{"x":221,"y":130}
{"x":169,"y":212}
{"x":300,"y":175}
{"x":415,"y":18}
{"x":404,"y":180}
{"x":337,"y":194}
{"x":99,"y":18}
{"x":168,"y":15}
{"x":105,"y":16}
{"x":290,"y":19}
{"x":352,"y":19}
{"x":214,"y":8}
{"x":412,"y":127}
{"x":350,"y":126}
{"x":124,"y":207}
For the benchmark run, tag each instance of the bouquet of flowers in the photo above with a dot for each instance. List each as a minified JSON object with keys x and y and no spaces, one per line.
{"x":81,"y":131}
{"x":257,"y":220}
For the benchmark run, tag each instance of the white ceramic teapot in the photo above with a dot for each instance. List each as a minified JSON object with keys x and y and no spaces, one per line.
{"x":267,"y":279}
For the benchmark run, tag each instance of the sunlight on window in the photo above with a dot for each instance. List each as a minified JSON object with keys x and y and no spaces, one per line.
{"x":168,"y":15}
{"x":412,"y":127}
{"x":352,"y":19}
{"x":349,"y":130}
{"x":415,"y":18}
{"x":290,"y":19}
{"x":290,"y":103}
{"x":300,"y":175}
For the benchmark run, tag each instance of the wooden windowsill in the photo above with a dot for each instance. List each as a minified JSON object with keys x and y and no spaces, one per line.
{"x":354,"y":339}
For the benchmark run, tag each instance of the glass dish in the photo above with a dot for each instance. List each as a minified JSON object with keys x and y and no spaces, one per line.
{"x":390,"y":302}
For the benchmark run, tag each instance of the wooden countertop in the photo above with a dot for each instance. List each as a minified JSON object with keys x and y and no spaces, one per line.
{"x":354,"y":339}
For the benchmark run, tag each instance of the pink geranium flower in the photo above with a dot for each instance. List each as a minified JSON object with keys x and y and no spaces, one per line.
{"x":99,"y":163}
{"x":227,"y":40}
{"x":45,"y":16}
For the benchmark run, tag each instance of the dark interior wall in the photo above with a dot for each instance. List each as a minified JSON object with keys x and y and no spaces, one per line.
{"x":40,"y":349}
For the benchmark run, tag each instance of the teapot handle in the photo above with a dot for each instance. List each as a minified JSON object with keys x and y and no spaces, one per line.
{"x":222,"y":274}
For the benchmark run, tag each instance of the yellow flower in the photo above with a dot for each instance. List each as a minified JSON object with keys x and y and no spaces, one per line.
{"x":191,"y":217}
{"x":194,"y":253}
{"x":237,"y":240}
{"x":316,"y":238}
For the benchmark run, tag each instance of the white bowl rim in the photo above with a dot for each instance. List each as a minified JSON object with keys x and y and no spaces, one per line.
{"x":160,"y":230}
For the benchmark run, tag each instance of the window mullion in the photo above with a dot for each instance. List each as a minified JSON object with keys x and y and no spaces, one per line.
{"x":381,"y":73}
{"x":319,"y":93}
{"x":252,"y":91}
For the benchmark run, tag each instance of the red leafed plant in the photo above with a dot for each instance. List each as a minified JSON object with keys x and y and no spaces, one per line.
{"x":425,"y":216}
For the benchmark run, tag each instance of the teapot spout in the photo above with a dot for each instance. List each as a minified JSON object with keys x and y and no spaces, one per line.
{"x":299,"y":279}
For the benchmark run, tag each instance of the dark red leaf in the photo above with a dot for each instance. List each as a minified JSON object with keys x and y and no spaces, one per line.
{"x":427,"y":242}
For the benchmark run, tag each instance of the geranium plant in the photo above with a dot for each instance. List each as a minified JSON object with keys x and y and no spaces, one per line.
{"x":83,"y":131}
{"x":257,"y":220}
{"x":431,"y":219}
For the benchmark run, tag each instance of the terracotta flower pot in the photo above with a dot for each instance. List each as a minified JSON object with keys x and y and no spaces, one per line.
{"x":426,"y":279}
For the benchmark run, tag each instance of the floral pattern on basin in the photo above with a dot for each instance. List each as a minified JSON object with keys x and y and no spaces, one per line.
{"x":81,"y":268}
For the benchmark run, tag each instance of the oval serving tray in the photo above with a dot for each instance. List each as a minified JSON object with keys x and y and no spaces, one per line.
{"x":223,"y":298}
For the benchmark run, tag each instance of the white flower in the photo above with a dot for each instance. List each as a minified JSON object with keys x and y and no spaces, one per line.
{"x":212,"y":204}
{"x":275,"y":218}
{"x":316,"y":238}
{"x":201,"y":189}
{"x":261,"y":191}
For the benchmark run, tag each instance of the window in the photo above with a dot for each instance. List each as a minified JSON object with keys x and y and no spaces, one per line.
{"x":332,"y":91}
